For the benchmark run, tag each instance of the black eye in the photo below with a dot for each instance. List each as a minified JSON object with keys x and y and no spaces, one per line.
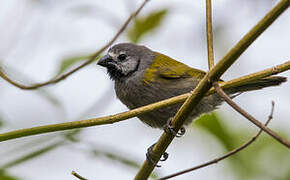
{"x":122,"y":57}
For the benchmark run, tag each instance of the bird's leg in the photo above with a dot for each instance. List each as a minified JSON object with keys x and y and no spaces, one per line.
{"x":151,"y":157}
{"x":169,"y":129}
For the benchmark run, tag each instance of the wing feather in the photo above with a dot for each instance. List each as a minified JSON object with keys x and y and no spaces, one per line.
{"x":165,"y":68}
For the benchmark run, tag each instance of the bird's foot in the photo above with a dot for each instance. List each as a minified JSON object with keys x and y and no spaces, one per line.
{"x":151,"y":157}
{"x":169,"y":129}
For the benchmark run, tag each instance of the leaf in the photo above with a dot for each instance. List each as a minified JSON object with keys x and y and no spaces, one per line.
{"x":69,"y":62}
{"x":247,"y":163}
{"x":212,"y":123}
{"x":1,"y":122}
{"x":5,"y":176}
{"x":146,"y":24}
{"x":271,"y":153}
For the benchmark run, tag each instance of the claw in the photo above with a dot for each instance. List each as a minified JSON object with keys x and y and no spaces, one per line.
{"x":169,"y":129}
{"x":164,"y":156}
{"x":151,"y":157}
{"x":180,"y":133}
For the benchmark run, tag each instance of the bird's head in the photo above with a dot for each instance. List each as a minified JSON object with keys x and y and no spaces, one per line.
{"x":124,"y":59}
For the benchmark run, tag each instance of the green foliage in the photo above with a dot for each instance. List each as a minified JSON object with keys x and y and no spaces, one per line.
{"x":116,"y":156}
{"x":1,"y":122}
{"x":144,"y":25}
{"x":265,"y":158}
{"x":212,"y":123}
{"x":70,"y":61}
{"x":5,"y":176}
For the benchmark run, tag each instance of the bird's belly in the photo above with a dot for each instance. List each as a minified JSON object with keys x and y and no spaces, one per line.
{"x":158,"y":118}
{"x":137,"y":97}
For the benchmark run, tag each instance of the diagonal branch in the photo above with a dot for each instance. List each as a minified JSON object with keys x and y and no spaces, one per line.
{"x":75,"y":174}
{"x":89,"y":61}
{"x":216,"y":160}
{"x":210,"y":64}
{"x":220,"y":90}
{"x":205,"y":84}
{"x":249,"y":116}
{"x":138,"y":111}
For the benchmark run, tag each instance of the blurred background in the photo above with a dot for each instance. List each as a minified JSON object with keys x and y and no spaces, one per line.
{"x":40,"y":39}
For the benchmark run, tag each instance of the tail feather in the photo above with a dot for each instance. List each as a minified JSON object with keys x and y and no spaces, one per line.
{"x":258,"y":84}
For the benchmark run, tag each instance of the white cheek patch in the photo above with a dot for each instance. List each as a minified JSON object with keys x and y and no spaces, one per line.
{"x":122,"y":52}
{"x":113,"y":55}
{"x":128,"y":66}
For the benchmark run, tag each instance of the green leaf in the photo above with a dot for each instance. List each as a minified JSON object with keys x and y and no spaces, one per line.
{"x":5,"y":176}
{"x":213,"y":124}
{"x":271,"y":153}
{"x":144,"y":25}
{"x":247,"y":163}
{"x":70,"y":61}
{"x":1,"y":122}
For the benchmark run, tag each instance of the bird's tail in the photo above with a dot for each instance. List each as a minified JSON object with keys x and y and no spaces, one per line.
{"x":258,"y":84}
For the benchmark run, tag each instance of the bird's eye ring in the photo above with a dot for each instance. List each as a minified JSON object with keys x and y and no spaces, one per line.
{"x":122,"y":57}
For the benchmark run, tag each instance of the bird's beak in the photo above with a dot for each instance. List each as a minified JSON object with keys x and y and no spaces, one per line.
{"x":105,"y":61}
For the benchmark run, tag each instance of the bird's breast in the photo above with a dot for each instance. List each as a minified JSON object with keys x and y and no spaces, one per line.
{"x":129,"y":93}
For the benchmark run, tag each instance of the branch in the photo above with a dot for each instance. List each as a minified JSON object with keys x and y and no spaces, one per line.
{"x":209,"y":35}
{"x":254,"y":76}
{"x":75,"y":174}
{"x":138,"y":111}
{"x":219,"y":89}
{"x":211,"y":63}
{"x":248,"y":116}
{"x":205,"y":84}
{"x":216,"y":160}
{"x":90,"y":60}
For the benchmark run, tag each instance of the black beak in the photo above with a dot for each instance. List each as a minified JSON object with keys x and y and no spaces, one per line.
{"x":105,"y":61}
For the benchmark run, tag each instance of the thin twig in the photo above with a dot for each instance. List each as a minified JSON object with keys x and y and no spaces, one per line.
{"x":90,"y":60}
{"x":206,"y":83}
{"x":209,"y":35}
{"x":216,"y":160}
{"x":138,"y":111}
{"x":254,"y":76}
{"x":78,"y":176}
{"x":249,"y":116}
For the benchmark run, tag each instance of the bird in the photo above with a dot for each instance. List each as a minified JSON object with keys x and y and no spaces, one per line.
{"x":142,"y":76}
